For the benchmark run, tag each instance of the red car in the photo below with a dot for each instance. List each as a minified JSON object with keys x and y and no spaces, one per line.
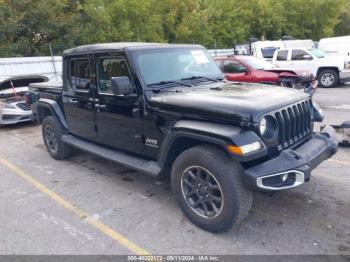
{"x":255,"y":70}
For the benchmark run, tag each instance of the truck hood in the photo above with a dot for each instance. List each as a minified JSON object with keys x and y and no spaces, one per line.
{"x":9,"y":91}
{"x":229,"y":102}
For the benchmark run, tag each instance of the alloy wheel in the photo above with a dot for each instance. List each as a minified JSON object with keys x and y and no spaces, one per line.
{"x":202,"y":192}
{"x":327,"y":79}
{"x":51,"y":139}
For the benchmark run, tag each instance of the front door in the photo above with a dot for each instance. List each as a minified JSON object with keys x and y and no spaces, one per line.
{"x":301,"y":60}
{"x":118,"y":117}
{"x":78,"y":98}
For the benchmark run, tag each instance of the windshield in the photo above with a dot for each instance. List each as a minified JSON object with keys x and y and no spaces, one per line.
{"x":317,"y":52}
{"x":163,"y":65}
{"x":257,"y":63}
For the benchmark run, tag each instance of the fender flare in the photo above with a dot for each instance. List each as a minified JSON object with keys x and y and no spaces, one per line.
{"x":54,"y":109}
{"x":217,"y":134}
{"x":323,"y":68}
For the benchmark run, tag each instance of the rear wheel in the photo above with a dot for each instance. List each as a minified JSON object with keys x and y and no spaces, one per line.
{"x":328,"y":78}
{"x":208,"y":188}
{"x":52,"y":132}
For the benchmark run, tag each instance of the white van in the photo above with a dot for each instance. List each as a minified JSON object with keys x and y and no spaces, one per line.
{"x":265,"y":49}
{"x":306,"y":43}
{"x":336,"y":46}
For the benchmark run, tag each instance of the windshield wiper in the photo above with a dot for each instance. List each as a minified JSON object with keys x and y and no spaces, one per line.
{"x":169,"y":82}
{"x":202,"y":77}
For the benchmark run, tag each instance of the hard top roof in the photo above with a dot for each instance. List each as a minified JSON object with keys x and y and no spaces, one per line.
{"x":118,"y":46}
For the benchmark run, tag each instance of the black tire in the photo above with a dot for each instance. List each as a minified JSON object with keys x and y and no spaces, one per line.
{"x":328,"y":78}
{"x":226,"y":173}
{"x":52,"y":132}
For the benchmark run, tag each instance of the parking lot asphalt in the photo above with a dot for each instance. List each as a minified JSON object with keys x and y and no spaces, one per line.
{"x":86,"y":205}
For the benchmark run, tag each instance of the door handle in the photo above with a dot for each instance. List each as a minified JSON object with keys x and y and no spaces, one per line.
{"x":73,"y":100}
{"x":94,"y":99}
{"x":98,"y":106}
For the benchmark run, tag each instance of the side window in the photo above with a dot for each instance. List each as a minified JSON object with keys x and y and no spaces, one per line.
{"x":299,"y":55}
{"x":233,"y":67}
{"x":80,"y":74}
{"x":282,"y":55}
{"x":109,"y":67}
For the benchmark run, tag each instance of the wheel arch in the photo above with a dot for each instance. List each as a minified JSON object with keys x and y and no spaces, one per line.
{"x":188,"y":133}
{"x":323,"y":68}
{"x":47,"y":107}
{"x":180,"y":142}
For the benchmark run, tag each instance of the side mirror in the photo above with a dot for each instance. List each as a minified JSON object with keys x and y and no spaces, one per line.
{"x":243,"y":70}
{"x":121,"y":86}
{"x":307,"y":57}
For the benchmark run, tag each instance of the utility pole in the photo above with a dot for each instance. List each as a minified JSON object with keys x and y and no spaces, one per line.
{"x":53,"y":60}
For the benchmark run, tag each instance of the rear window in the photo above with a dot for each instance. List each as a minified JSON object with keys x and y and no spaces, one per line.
{"x":268,"y":52}
{"x":282,"y":55}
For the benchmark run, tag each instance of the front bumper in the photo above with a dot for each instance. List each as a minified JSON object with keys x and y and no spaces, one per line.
{"x":344,"y":76}
{"x":293,"y":165}
{"x":12,"y":116}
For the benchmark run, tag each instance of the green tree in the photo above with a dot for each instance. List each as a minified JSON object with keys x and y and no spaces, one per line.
{"x":119,"y":20}
{"x":265,"y":19}
{"x":174,"y":16}
{"x":26,"y":26}
{"x":227,"y":22}
{"x":313,"y":18}
{"x":343,"y":26}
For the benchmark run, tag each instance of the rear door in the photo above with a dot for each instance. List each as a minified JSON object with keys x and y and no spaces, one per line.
{"x":78,"y":98}
{"x":281,"y":59}
{"x":119,"y":123}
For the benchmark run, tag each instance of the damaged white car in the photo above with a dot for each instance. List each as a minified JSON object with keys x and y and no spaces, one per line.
{"x":13,"y":107}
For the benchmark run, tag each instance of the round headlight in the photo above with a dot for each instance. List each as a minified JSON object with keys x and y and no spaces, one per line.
{"x":268,"y":127}
{"x":263,"y":126}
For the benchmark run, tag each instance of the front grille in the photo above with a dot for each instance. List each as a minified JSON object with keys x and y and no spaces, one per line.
{"x":24,"y":106}
{"x":294,"y":123}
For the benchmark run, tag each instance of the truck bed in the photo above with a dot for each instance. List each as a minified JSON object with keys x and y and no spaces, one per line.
{"x":43,"y":90}
{"x":46,"y":88}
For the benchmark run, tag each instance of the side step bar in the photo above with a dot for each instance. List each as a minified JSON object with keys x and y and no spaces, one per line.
{"x":144,"y":166}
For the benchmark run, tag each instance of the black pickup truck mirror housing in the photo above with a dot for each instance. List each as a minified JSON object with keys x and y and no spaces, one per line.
{"x":121,"y":85}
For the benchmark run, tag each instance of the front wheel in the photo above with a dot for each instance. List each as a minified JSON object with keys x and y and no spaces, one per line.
{"x":328,"y":78}
{"x":208,"y":188}
{"x":52,"y":132}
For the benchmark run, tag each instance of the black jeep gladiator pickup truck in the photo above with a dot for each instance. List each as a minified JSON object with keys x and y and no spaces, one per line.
{"x":165,"y":109}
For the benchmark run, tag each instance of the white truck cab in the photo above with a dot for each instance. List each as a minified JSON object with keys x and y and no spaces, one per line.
{"x":329,"y":70}
{"x":266,"y":49}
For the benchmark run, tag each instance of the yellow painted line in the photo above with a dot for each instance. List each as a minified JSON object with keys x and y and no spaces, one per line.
{"x":77,"y":211}
{"x":346,"y":163}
